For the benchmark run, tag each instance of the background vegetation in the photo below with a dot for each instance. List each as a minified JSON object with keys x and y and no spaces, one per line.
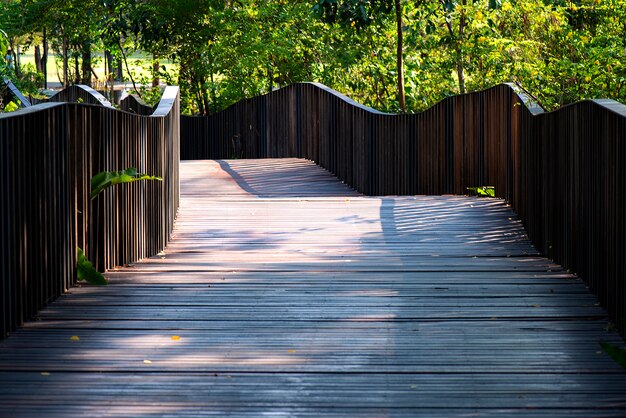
{"x":389,"y":54}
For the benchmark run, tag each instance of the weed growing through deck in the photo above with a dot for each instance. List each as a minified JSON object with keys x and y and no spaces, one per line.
{"x":484,"y":191}
{"x":616,"y":353}
{"x":99,"y":183}
{"x":86,"y":271}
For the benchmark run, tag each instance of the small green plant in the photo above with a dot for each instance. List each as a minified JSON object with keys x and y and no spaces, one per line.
{"x":86,"y":271}
{"x":10,"y":107}
{"x":616,"y":353}
{"x":99,"y":183}
{"x":106,"y":179}
{"x":485,"y":191}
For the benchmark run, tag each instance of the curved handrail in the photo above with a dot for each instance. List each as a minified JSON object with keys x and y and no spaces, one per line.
{"x":24,"y":102}
{"x":88,"y":95}
{"x":133,"y":104}
{"x":343,"y":97}
{"x":168,"y":99}
{"x":33,"y":109}
{"x":532,"y":106}
{"x":163,"y":108}
{"x":609,"y":104}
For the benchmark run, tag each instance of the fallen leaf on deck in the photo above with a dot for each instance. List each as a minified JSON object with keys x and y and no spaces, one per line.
{"x":291,"y":351}
{"x":45,"y":374}
{"x":147,"y":362}
{"x":74,"y":338}
{"x":176,"y":337}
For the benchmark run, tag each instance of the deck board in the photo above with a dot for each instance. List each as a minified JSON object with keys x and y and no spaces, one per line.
{"x":285,"y":293}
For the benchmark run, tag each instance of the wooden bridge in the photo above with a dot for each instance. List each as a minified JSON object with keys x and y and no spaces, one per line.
{"x":282,"y":291}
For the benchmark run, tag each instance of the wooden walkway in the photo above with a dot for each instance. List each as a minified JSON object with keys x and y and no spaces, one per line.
{"x":284,"y":293}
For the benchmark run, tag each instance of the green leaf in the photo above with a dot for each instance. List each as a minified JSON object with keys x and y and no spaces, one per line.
{"x":495,"y":4}
{"x":11,"y":107}
{"x":87,"y":272}
{"x":616,"y":353}
{"x":106,"y":179}
{"x":486,"y":191}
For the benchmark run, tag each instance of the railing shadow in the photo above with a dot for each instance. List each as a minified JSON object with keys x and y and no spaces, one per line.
{"x":285,"y":180}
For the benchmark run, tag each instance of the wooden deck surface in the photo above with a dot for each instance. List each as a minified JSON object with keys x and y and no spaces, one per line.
{"x":285,"y":293}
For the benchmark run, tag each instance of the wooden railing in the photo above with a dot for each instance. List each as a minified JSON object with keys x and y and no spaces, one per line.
{"x":80,"y":94}
{"x":563,"y":172}
{"x":15,"y":93}
{"x":48,"y":154}
{"x":134,"y":104}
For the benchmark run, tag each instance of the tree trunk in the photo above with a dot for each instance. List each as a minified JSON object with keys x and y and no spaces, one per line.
{"x":44,"y":59}
{"x":156,"y":68}
{"x":108,"y":70}
{"x":400,"y":59}
{"x":38,"y":59}
{"x":108,"y":63}
{"x":270,"y":76}
{"x":76,"y":70}
{"x":18,"y":60}
{"x":86,"y":64}
{"x":207,"y":104}
{"x":213,"y":93}
{"x":65,"y":63}
{"x":460,"y":65}
{"x":199,"y":97}
{"x":119,"y":75}
{"x":119,"y":72}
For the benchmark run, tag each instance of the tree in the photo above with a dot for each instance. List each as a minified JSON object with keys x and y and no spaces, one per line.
{"x":362,"y":13}
{"x":395,"y":55}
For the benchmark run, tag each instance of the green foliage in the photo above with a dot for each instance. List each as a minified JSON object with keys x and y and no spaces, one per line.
{"x":4,"y":43}
{"x":10,"y":107}
{"x":106,"y":179}
{"x":27,"y":81}
{"x":151,"y":95}
{"x":484,"y":191}
{"x":559,"y":51}
{"x":356,"y":13}
{"x":87,"y":272}
{"x":616,"y":353}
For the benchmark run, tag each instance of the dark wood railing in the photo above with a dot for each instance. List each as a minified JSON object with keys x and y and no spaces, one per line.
{"x":133,"y":104}
{"x":80,"y":94}
{"x":563,"y":172}
{"x":15,"y":93}
{"x":48,"y":154}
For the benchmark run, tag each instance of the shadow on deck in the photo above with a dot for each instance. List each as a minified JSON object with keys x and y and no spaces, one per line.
{"x":286,"y":293}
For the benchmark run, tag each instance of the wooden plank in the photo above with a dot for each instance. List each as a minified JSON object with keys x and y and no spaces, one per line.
{"x":271,"y":301}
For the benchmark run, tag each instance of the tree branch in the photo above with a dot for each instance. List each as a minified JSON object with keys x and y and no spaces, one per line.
{"x":128,"y":69}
